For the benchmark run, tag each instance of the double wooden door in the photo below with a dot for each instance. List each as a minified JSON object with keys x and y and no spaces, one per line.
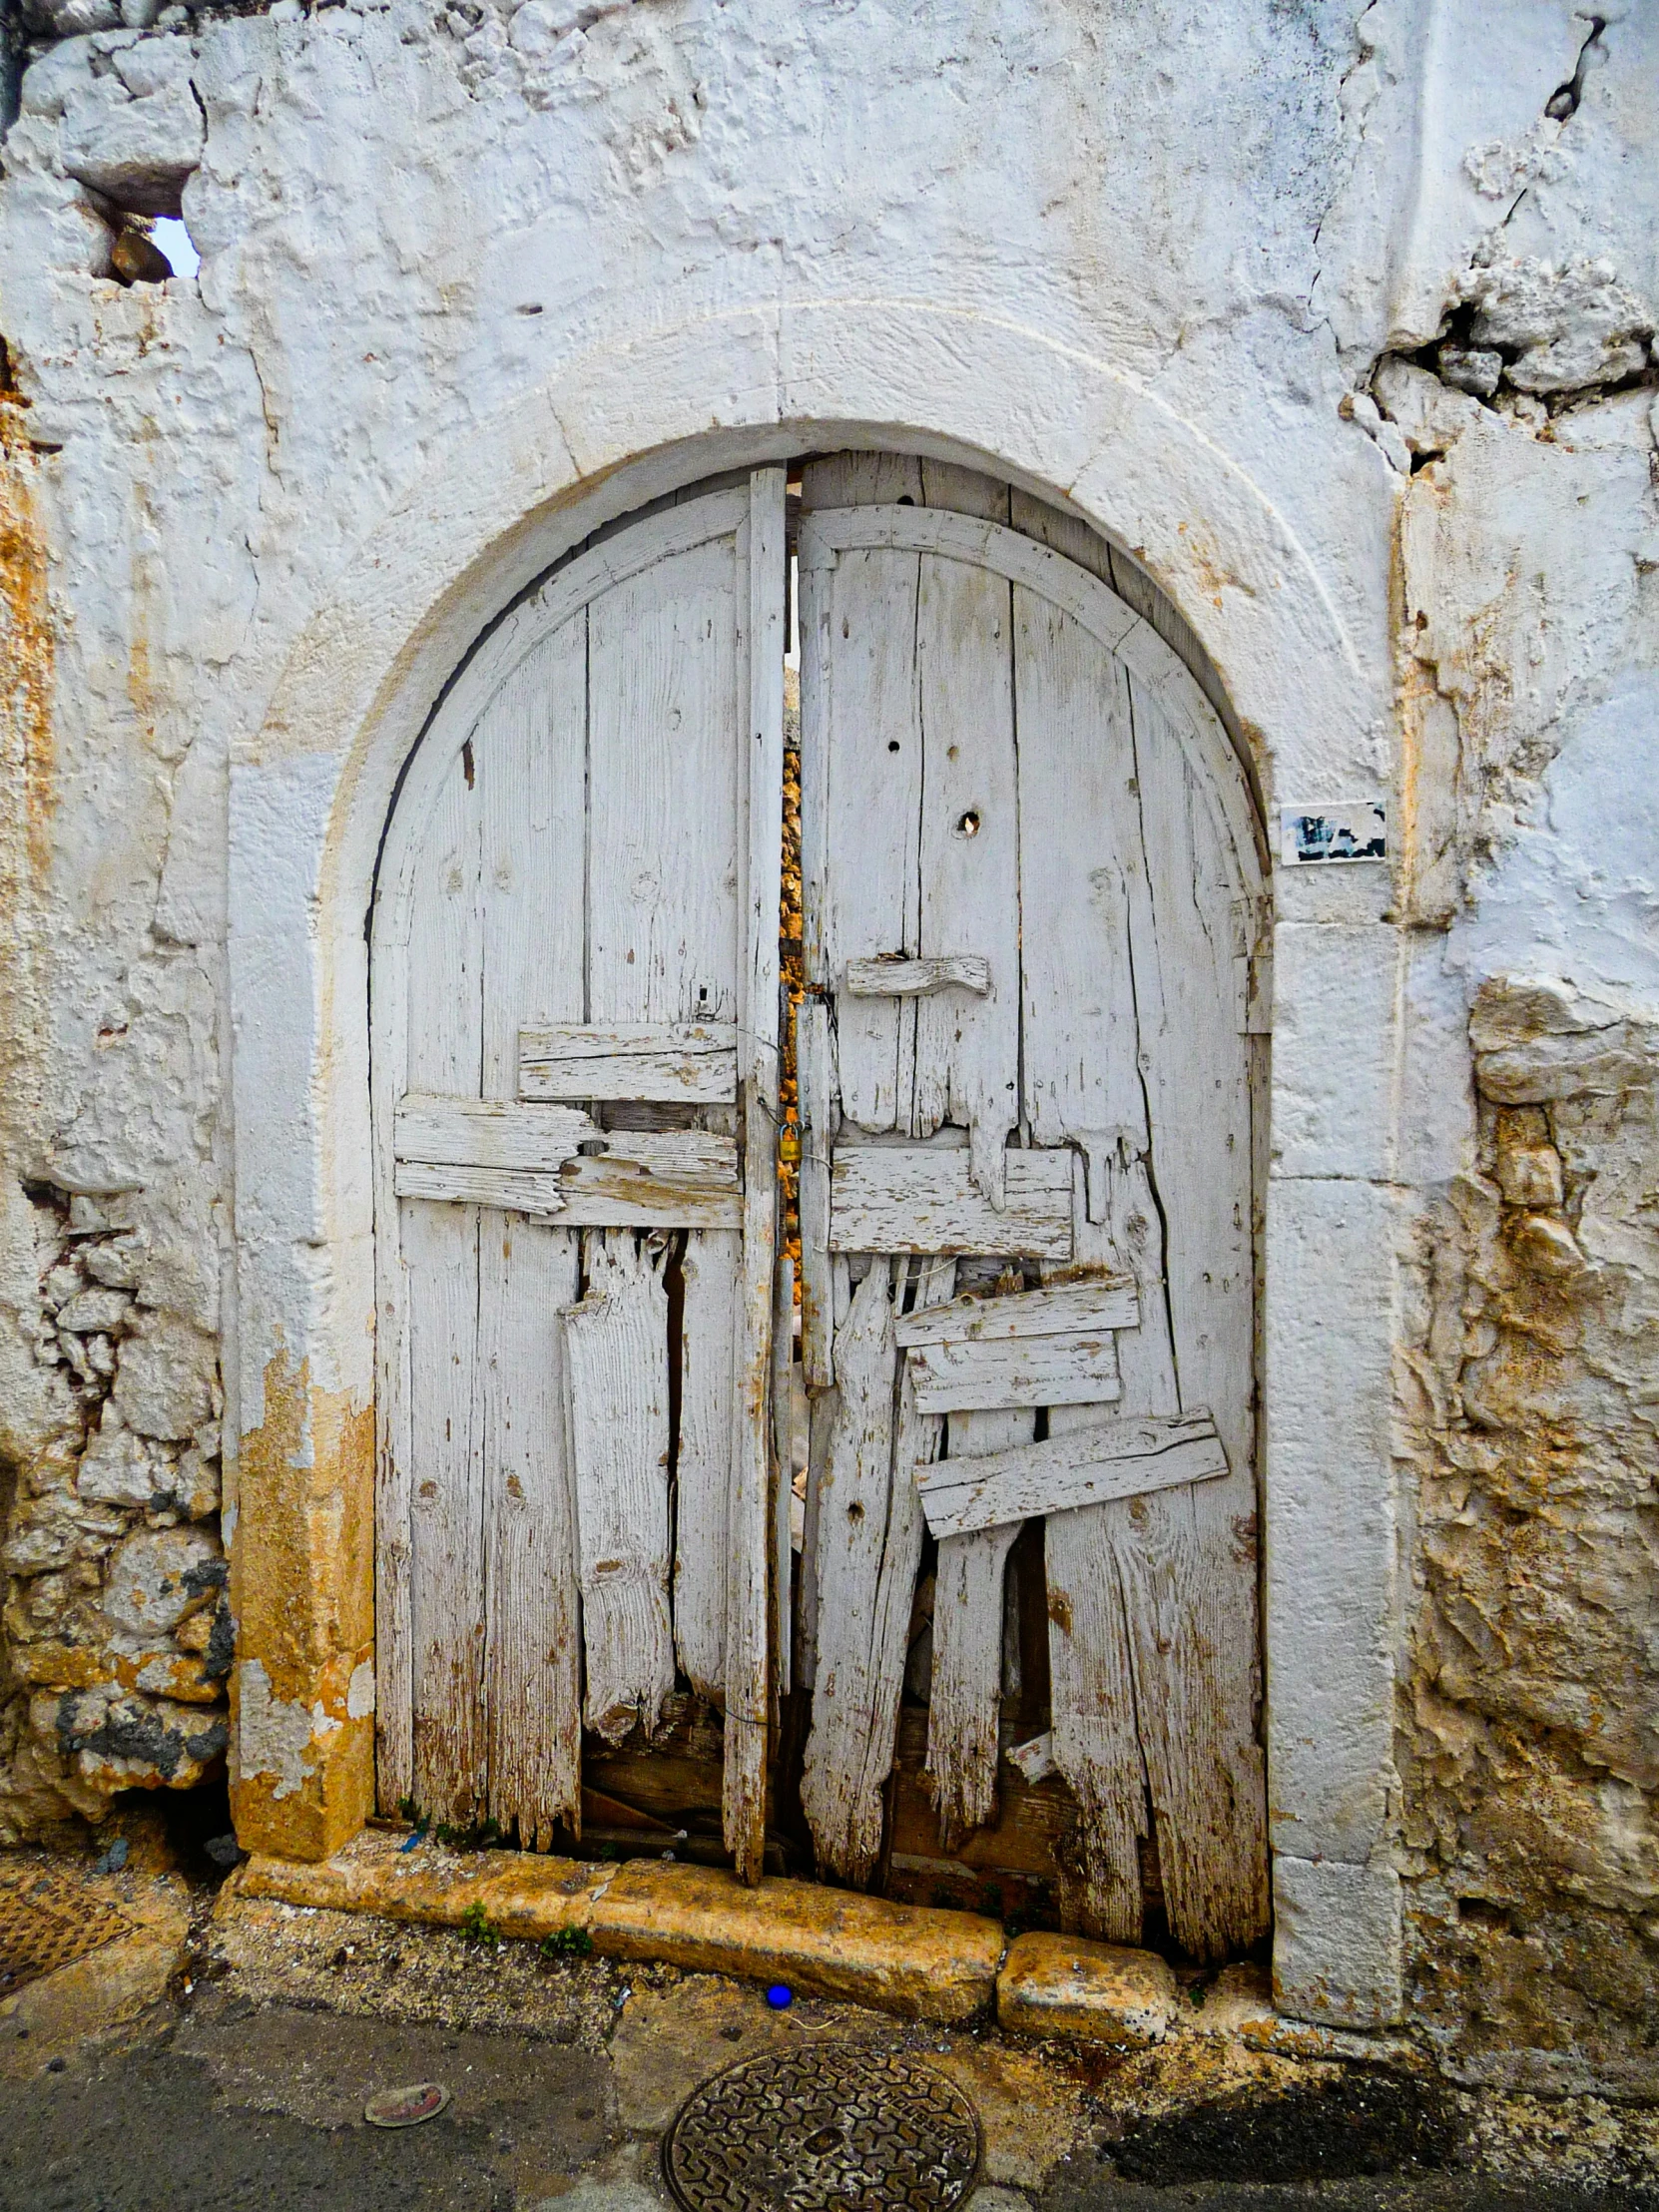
{"x":1025,"y":1070}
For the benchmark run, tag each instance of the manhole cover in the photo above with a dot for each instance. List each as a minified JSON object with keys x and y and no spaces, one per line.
{"x":830,"y":2127}
{"x":48,"y":1922}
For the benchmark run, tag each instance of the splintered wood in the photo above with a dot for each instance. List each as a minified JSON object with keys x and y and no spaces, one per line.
{"x":617,"y":1347}
{"x":867,"y":1544}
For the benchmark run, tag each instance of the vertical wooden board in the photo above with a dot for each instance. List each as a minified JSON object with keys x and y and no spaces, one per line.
{"x":763,"y":559}
{"x":1079,"y":852}
{"x":1091,"y":1670}
{"x":1065,"y":533}
{"x":665,"y":808}
{"x":782,"y":1640}
{"x":703,"y":1464}
{"x":965,"y":1713}
{"x":530,"y":773}
{"x":440,"y":1250}
{"x":861,"y":770}
{"x":816,"y":1083}
{"x":916,"y":1436}
{"x":1190,"y":1574}
{"x":853,"y":1497}
{"x":532,"y":1667}
{"x":440,"y":1255}
{"x":963,"y":491}
{"x":967,"y":1047}
{"x":616,"y":1343}
{"x":856,"y":479}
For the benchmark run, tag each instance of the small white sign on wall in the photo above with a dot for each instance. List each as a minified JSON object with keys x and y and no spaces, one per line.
{"x":1356,"y":829}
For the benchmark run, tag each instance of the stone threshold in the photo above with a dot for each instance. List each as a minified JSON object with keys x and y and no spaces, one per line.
{"x":920,"y":1963}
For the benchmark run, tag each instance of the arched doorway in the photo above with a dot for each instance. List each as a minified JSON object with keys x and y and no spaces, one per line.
{"x":1028,"y":1123}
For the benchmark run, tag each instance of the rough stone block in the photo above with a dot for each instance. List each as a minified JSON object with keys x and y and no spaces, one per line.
{"x":1063,"y":1985}
{"x":138,"y":153}
{"x":1335,"y":1049}
{"x":1337,"y":1942}
{"x":1328,"y":1525}
{"x":928,"y":1966}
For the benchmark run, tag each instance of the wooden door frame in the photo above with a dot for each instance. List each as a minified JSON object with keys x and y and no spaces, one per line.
{"x":311,"y":794}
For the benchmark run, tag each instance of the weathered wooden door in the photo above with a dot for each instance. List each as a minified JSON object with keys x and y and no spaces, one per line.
{"x":1031,"y":897}
{"x":575,"y":1067}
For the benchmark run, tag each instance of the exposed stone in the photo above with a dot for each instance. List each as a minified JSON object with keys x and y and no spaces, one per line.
{"x":137,"y":151}
{"x":122,"y":1741}
{"x":159,"y":1576}
{"x":1570,"y":324}
{"x":165,"y":1386}
{"x":105,"y":1310}
{"x":119,"y":1468}
{"x":1471,"y":369}
{"x":1101,"y":1992}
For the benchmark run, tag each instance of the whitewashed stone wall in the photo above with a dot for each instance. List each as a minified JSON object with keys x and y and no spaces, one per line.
{"x":1343,"y":322}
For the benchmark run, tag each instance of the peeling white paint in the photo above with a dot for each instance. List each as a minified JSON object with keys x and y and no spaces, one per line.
{"x":274,"y":1734}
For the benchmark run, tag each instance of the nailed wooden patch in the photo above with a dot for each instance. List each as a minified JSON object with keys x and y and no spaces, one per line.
{"x":691,"y":1063}
{"x":1102,"y":1303}
{"x":1119,"y":1458}
{"x":894,"y":979}
{"x":635,"y":1179}
{"x":486,"y":1132}
{"x":1067,"y":1368}
{"x":902,"y":1198}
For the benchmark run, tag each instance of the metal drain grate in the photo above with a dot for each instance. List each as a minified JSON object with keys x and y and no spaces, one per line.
{"x":830,"y":2127}
{"x":47,"y":1923}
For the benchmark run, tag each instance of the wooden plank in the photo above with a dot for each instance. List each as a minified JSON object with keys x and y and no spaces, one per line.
{"x":487,"y":1132}
{"x":1106,"y":1301}
{"x":1122,"y":1459}
{"x":761,"y":852}
{"x":891,"y":1198}
{"x":862,"y":777}
{"x":815,"y":1081}
{"x":1035,"y":1758}
{"x":440,"y":1255}
{"x":855,"y":1494}
{"x":616,"y":1342}
{"x":709,"y":1269}
{"x":681,"y":1063}
{"x":967,"y":1048}
{"x":965,"y":1709}
{"x":440,"y":1250}
{"x":1070,"y":1367}
{"x":532,"y":1645}
{"x":1076,"y":775}
{"x":643,"y":1178}
{"x":1190,"y":1571}
{"x":666,"y":796}
{"x":529,"y":761}
{"x":916,"y":1437}
{"x":528,"y":753}
{"x":782,"y":1633}
{"x":895,"y":979}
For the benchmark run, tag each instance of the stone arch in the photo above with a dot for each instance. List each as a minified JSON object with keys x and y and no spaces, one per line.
{"x":311,"y":794}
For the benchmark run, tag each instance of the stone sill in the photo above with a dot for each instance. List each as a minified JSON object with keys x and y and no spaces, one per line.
{"x":920,"y":1963}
